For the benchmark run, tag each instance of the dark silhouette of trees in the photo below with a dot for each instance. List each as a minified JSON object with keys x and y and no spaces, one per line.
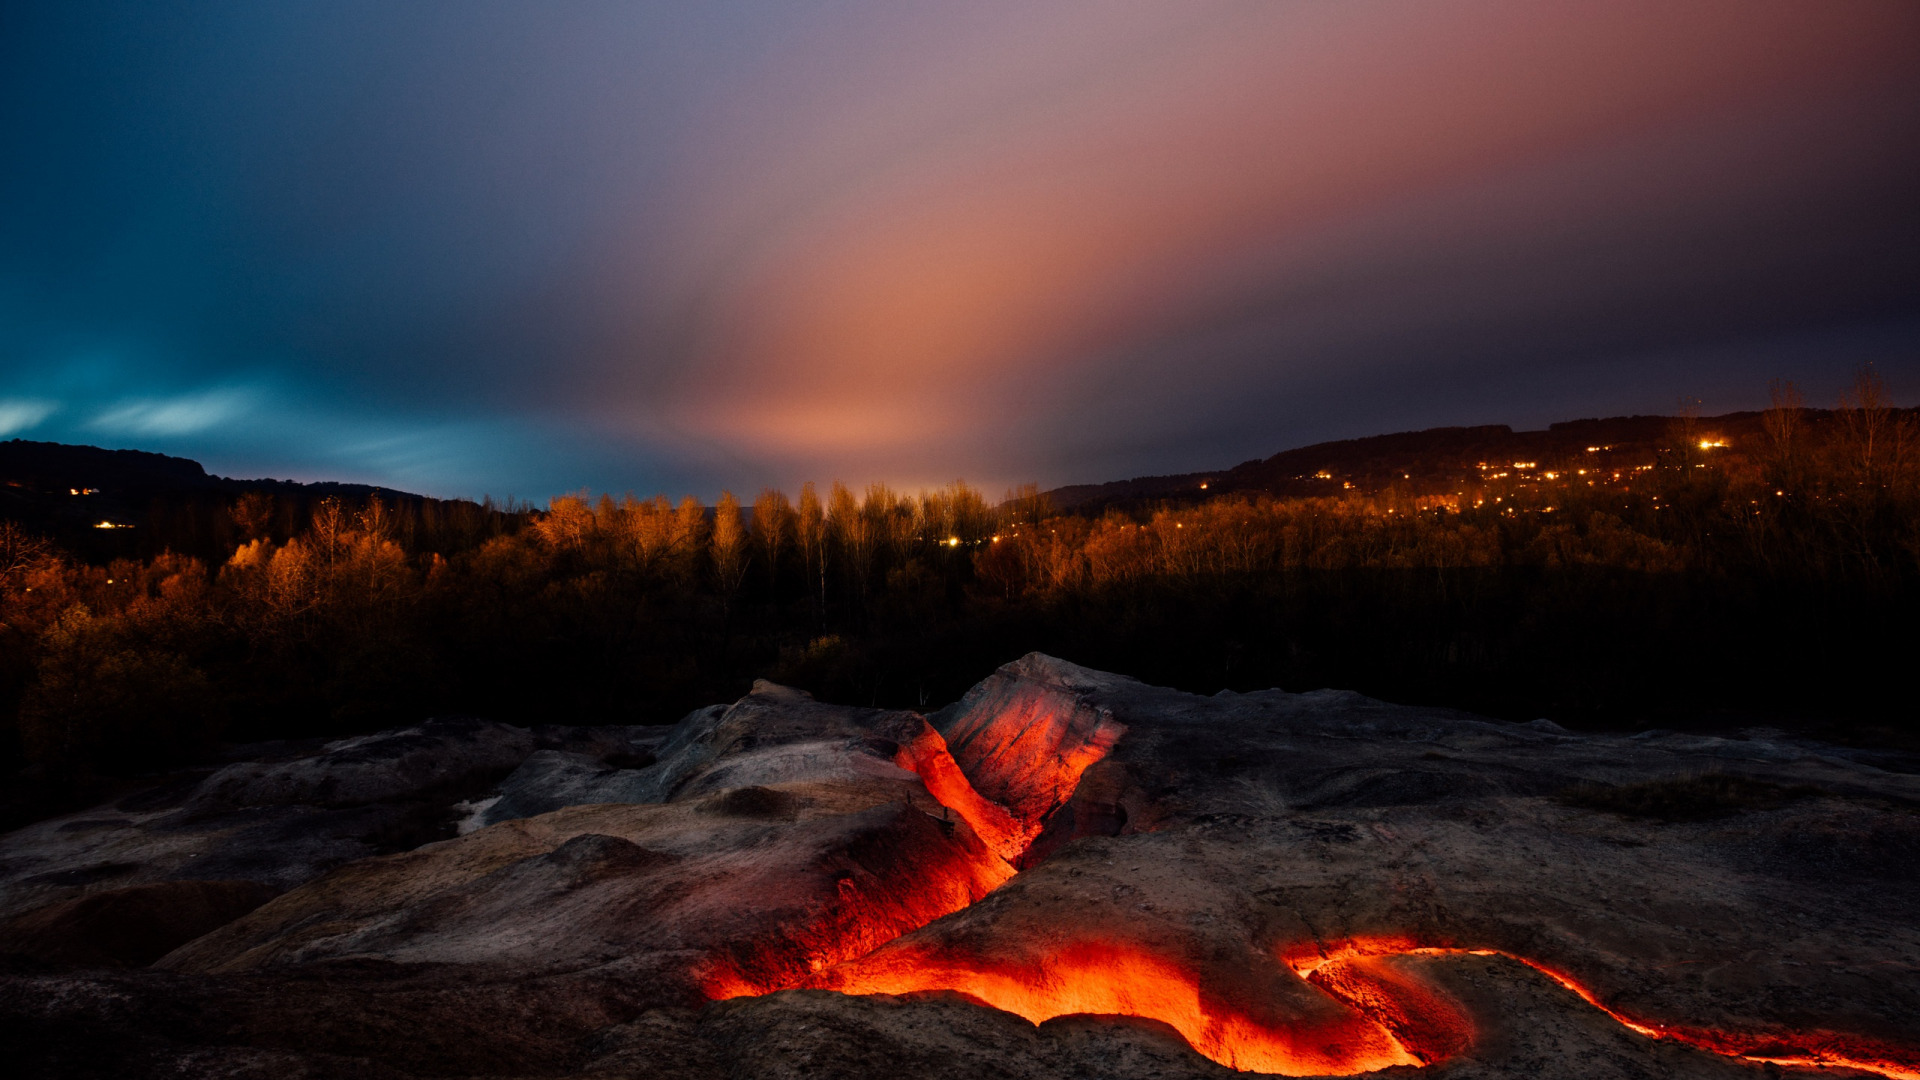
{"x":810,"y":527}
{"x":773,"y":530}
{"x":1697,"y":583}
{"x":253,"y":515}
{"x":729,"y":558}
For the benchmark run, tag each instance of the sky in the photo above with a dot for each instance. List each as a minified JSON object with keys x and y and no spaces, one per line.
{"x":527,"y":248}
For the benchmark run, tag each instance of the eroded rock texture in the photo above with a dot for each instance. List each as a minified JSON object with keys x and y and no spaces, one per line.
{"x":1064,"y":873}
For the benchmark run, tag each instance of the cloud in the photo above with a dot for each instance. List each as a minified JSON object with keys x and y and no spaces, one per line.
{"x":184,"y":414}
{"x":22,"y":414}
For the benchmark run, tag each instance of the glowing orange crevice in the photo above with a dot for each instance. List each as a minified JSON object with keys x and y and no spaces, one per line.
{"x":871,"y":909}
{"x":1372,"y":1014}
{"x":864,"y":912}
{"x":1114,"y":978}
{"x":996,"y":827}
{"x":1029,"y":754}
{"x":1825,"y":1049}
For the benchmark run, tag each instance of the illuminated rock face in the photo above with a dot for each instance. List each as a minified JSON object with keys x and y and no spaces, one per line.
{"x":1168,"y":939}
{"x":1072,"y":873}
{"x":1025,"y":737}
{"x":792,"y":835}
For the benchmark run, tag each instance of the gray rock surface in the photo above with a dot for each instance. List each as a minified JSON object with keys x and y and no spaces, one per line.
{"x":551,"y":779}
{"x":371,"y":768}
{"x":1274,"y":857}
{"x":283,"y":819}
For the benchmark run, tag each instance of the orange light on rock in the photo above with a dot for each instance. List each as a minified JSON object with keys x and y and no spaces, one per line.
{"x":1115,"y":978}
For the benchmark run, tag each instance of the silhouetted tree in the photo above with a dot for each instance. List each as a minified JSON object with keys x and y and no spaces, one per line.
{"x":1785,"y":423}
{"x":773,"y":527}
{"x":252,"y":514}
{"x":810,"y":528}
{"x":729,"y":547}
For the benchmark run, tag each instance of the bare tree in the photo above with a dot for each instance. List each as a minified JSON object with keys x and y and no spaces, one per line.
{"x":1867,"y":427}
{"x":19,"y":550}
{"x":689,"y":536}
{"x":564,"y":526}
{"x":852,"y":533}
{"x":1025,"y":505}
{"x":729,"y":546}
{"x":376,"y":519}
{"x":772,"y":528}
{"x":811,"y":527}
{"x":329,"y":528}
{"x":1784,"y":420}
{"x":1684,"y":433}
{"x":729,"y":549}
{"x":252,"y":514}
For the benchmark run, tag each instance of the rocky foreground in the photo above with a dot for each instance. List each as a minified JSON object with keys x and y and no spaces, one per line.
{"x":1065,"y":873}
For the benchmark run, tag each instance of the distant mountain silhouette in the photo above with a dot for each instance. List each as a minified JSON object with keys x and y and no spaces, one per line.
{"x":1419,"y":462}
{"x":97,"y":500}
{"x":62,"y":489}
{"x":50,"y":466}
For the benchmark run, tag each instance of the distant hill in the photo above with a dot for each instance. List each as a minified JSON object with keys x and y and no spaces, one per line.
{"x":1427,"y":462}
{"x":102,"y":502}
{"x":98,"y":501}
{"x":50,"y":465}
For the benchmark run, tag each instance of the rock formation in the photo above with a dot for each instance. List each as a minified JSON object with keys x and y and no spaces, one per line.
{"x":1064,"y":873}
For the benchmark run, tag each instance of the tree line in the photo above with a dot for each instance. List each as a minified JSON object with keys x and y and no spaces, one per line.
{"x":1715,"y":586}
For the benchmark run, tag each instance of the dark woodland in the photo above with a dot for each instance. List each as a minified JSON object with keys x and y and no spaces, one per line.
{"x":1702,"y":573}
